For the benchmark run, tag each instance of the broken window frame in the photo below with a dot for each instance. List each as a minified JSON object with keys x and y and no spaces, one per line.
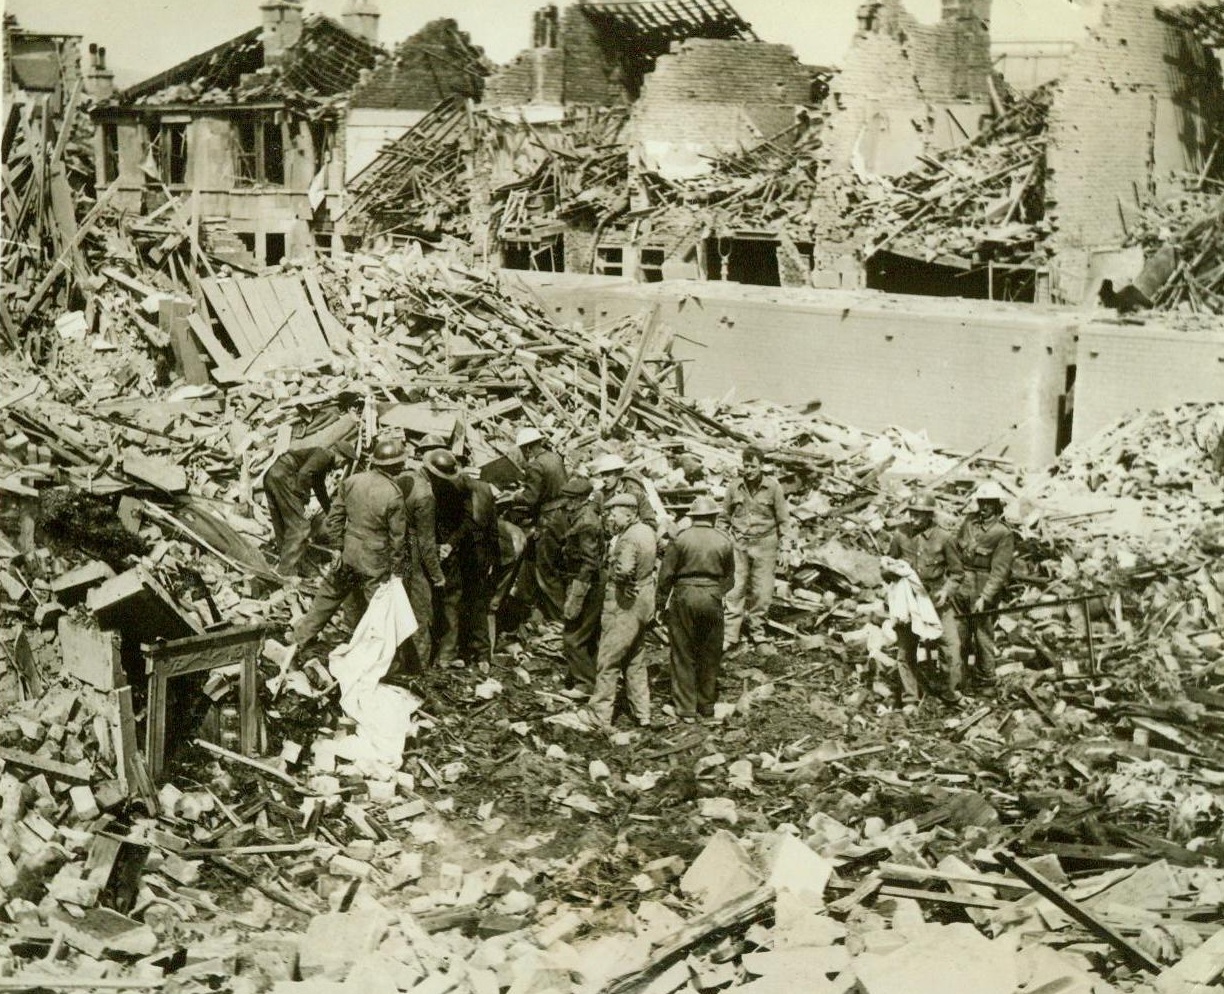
{"x":166,"y":143}
{"x":605,"y":264}
{"x":255,"y":160}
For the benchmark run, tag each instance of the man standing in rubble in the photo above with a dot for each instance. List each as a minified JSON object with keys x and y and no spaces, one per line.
{"x":368,"y":523}
{"x":468,"y":547}
{"x":754,"y":512}
{"x":287,"y":486}
{"x":549,"y":558}
{"x":611,"y":477}
{"x":628,"y":607}
{"x":580,"y":567}
{"x":543,"y":476}
{"x":422,"y":568}
{"x":932,"y":553}
{"x":698,"y":569}
{"x":986,"y":547}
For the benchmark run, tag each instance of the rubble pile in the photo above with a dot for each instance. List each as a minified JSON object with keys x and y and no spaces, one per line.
{"x":1183,"y":239}
{"x":48,"y":162}
{"x":511,"y":850}
{"x":420,"y":183}
{"x":983,"y":199}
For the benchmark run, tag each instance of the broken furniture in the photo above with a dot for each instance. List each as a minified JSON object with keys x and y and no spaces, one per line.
{"x":196,"y":654}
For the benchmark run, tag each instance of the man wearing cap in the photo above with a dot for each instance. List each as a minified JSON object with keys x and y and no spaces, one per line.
{"x":611,"y":477}
{"x":986,"y":547}
{"x":543,"y":476}
{"x":367,"y":521}
{"x":932,"y":553}
{"x":754,"y":512}
{"x":697,"y":571}
{"x":287,"y":486}
{"x":422,"y":568}
{"x":469,"y":549}
{"x":582,"y":551}
{"x":628,"y":607}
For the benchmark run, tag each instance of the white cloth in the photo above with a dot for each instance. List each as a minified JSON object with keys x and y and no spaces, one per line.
{"x":383,"y":713}
{"x":908,"y":601}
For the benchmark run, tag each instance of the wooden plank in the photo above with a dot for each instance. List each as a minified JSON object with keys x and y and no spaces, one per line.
{"x":79,"y":775}
{"x":266,"y":312}
{"x":172,"y":315}
{"x":333,"y":331}
{"x":275,"y":295}
{"x":203,"y":332}
{"x":1199,"y":966}
{"x":306,"y":313}
{"x":257,"y":335}
{"x":234,"y":327}
{"x":1133,"y":955}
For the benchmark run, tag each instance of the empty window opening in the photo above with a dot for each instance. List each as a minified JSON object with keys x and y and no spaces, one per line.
{"x":273,"y":153}
{"x":246,"y":161}
{"x":652,"y":265}
{"x":174,"y":150}
{"x":274,"y":248}
{"x":609,"y":260}
{"x":950,"y":277}
{"x":248,"y":241}
{"x":547,"y":256}
{"x":1066,"y":412}
{"x":743,"y":260}
{"x":110,"y":152}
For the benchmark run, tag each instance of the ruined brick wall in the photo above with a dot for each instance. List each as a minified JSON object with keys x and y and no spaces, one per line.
{"x":715,"y":95}
{"x":1135,"y":105}
{"x":1120,"y":370}
{"x":901,"y":79}
{"x":437,"y":62}
{"x":580,"y":70}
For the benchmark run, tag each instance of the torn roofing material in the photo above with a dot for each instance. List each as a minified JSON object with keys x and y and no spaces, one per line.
{"x":326,"y":60}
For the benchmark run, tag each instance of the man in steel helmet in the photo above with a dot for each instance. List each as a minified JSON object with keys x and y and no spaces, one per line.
{"x":468,"y":546}
{"x":543,"y":476}
{"x":368,"y":523}
{"x":987,"y":548}
{"x":932,"y":552}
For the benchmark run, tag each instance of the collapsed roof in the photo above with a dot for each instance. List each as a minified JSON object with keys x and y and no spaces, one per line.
{"x":326,"y":60}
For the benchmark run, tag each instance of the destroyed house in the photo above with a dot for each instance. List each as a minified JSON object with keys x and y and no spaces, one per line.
{"x":38,"y":65}
{"x":263,"y":129}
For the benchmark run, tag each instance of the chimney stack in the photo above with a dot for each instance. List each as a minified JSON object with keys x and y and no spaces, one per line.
{"x":99,"y":81}
{"x":361,"y":17}
{"x":282,"y":29}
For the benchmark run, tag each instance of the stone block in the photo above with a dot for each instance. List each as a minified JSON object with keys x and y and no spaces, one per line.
{"x":720,"y":873}
{"x":89,"y":653}
{"x":801,"y":964}
{"x":70,"y":588}
{"x":101,"y":933}
{"x":334,"y":942}
{"x":948,"y":958}
{"x":793,"y":866}
{"x":138,"y":607}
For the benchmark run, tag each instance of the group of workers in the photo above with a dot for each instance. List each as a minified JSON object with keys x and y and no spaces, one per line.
{"x":585,"y":550}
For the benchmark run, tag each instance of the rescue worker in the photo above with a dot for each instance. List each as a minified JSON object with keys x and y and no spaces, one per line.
{"x":754,"y":512}
{"x":468,"y":548}
{"x":628,"y":607}
{"x":422,"y":569}
{"x":549,"y":558}
{"x":287,"y":487}
{"x":986,"y":548}
{"x":932,"y":552}
{"x":697,"y":571}
{"x":610,"y":475}
{"x":543,"y":476}
{"x":582,"y":551}
{"x":368,"y":523}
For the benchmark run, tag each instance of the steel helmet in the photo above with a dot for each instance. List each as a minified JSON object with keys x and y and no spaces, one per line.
{"x":607,"y":462}
{"x":577,"y":486}
{"x":703,"y":507}
{"x":431,"y":442}
{"x":388,"y":452}
{"x":621,"y":500}
{"x":528,"y":435}
{"x":923,"y":502}
{"x":990,"y":491}
{"x":441,"y":463}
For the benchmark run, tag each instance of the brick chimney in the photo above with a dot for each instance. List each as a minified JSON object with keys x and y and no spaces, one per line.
{"x":282,"y":28}
{"x":361,"y":17}
{"x":99,"y":81}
